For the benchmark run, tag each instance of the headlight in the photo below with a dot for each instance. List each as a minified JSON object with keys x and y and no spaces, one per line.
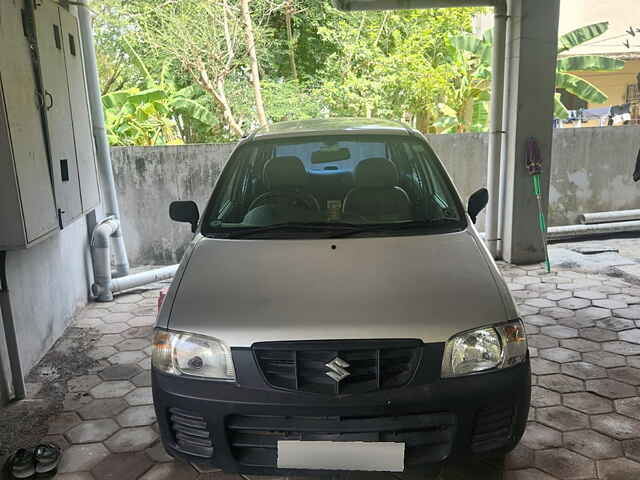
{"x":486,"y":348}
{"x":180,"y":353}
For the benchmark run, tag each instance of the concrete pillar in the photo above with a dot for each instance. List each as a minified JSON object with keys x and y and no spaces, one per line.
{"x":532,"y":39}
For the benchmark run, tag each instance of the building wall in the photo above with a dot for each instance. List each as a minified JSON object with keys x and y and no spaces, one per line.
{"x":48,"y":283}
{"x":591,"y":171}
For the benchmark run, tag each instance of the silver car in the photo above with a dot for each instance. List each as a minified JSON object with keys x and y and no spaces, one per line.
{"x":337,"y":310}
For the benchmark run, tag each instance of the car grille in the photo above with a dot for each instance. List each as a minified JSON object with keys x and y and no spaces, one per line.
{"x":191,"y":435}
{"x":254,"y":439}
{"x":302,"y":366}
{"x":493,"y":428}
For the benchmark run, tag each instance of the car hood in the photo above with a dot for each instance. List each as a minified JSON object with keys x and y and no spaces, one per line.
{"x":427,"y":287}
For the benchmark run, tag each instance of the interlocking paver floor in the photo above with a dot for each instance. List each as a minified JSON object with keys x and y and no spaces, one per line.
{"x":584,"y":332}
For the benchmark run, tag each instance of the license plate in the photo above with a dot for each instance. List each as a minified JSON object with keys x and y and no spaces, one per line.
{"x":321,"y":455}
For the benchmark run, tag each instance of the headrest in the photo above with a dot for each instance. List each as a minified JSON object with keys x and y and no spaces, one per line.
{"x":285,"y":172}
{"x":376,"y":172}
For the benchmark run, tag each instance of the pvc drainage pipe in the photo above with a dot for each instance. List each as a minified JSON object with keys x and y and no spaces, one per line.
{"x":143,"y":278}
{"x":570,"y":231}
{"x":608,"y":217}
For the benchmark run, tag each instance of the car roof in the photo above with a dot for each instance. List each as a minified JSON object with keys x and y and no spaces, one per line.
{"x":330,"y":126}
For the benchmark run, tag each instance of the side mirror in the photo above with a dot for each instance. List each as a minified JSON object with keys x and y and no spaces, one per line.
{"x":186,"y":212}
{"x":477,"y":202}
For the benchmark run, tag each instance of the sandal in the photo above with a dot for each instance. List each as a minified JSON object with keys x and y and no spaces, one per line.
{"x":21,"y":464}
{"x":47,"y":458}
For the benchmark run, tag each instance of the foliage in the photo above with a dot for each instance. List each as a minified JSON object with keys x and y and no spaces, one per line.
{"x":480,"y":49}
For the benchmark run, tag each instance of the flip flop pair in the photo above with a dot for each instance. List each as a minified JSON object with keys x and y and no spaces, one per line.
{"x":41,"y":461}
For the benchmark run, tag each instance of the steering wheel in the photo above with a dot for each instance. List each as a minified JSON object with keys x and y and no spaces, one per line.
{"x":293,"y":199}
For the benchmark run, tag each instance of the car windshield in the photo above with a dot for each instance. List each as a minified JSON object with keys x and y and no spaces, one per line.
{"x":333,"y":186}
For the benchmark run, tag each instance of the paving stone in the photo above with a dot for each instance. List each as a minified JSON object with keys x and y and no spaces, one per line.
{"x":538,"y":437}
{"x":573,"y":303}
{"x":525,"y":310}
{"x":63,"y":422}
{"x":593,"y":313}
{"x":565,"y":464}
{"x":622,"y":348}
{"x":616,"y":324}
{"x":609,"y":388}
{"x":131,"y":439}
{"x":557,"y":312}
{"x":158,"y":454}
{"x":540,"y":303}
{"x":143,"y":379}
{"x":92,"y":431}
{"x":142,"y":321}
{"x":610,"y":304}
{"x":103,"y":408}
{"x":604,"y":359}
{"x":83,"y":383}
{"x":541,"y":397}
{"x":587,"y":402}
{"x":128,"y":298}
{"x":117,"y":318}
{"x":140,"y":396}
{"x":531,"y":329}
{"x":561,"y":383}
{"x":73,"y":401}
{"x":98,"y":353}
{"x":580,"y":345}
{"x":520,"y":457}
{"x":112,"y":389}
{"x":598,"y":334}
{"x":632,"y":336}
{"x":632,"y":449}
{"x":522,"y":294}
{"x":109,"y":340}
{"x":590,"y":294}
{"x":628,"y":375}
{"x":559,"y":331}
{"x":559,"y":354}
{"x":87,"y":323}
{"x":120,"y":372}
{"x":629,"y":407}
{"x":137,"y":416}
{"x":127,"y":357}
{"x":145,"y":364}
{"x":112,"y":328}
{"x":539,"y":320}
{"x":170,"y":471}
{"x":133,"y":344}
{"x":123,"y":466}
{"x":542,"y":341}
{"x":618,"y":469}
{"x":592,"y":444}
{"x":533,"y":352}
{"x":82,"y":458}
{"x":584,"y":370}
{"x":562,"y":418}
{"x":631,"y":313}
{"x":138,"y":332}
{"x":58,"y":440}
{"x":540,"y":366}
{"x":527,"y":474}
{"x":122,"y":307}
{"x":556,"y":295}
{"x":623,"y":297}
{"x":616,"y":426}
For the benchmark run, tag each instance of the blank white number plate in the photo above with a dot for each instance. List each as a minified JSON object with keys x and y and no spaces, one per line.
{"x":320,"y":455}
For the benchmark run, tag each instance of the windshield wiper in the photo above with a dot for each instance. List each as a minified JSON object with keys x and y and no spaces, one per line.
{"x":330,"y":228}
{"x":395,"y":227}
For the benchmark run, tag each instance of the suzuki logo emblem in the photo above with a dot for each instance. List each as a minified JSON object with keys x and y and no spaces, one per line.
{"x":338,"y":369}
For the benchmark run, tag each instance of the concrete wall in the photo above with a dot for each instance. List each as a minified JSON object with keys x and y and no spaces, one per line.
{"x":47,"y":284}
{"x":148,"y":179}
{"x":591,"y":171}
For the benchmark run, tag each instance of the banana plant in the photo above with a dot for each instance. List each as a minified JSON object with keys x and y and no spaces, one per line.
{"x":155,"y":115}
{"x":480,"y":48}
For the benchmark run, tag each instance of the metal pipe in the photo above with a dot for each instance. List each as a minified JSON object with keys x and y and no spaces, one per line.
{"x":570,"y":231}
{"x":607,"y":217}
{"x":143,"y":278}
{"x":496,"y":128}
{"x":103,"y":154}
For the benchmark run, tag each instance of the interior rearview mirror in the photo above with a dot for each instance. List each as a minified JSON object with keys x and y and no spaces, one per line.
{"x":186,"y":212}
{"x":477,"y":202}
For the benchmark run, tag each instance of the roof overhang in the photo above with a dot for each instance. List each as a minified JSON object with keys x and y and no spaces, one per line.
{"x":349,"y":5}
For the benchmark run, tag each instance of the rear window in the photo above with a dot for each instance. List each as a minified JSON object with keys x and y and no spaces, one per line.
{"x":389,"y":183}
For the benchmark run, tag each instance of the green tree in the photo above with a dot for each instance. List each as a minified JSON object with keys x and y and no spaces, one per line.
{"x":480,"y":49}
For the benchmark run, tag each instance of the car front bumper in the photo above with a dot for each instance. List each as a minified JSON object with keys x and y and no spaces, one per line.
{"x":236,"y":427}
